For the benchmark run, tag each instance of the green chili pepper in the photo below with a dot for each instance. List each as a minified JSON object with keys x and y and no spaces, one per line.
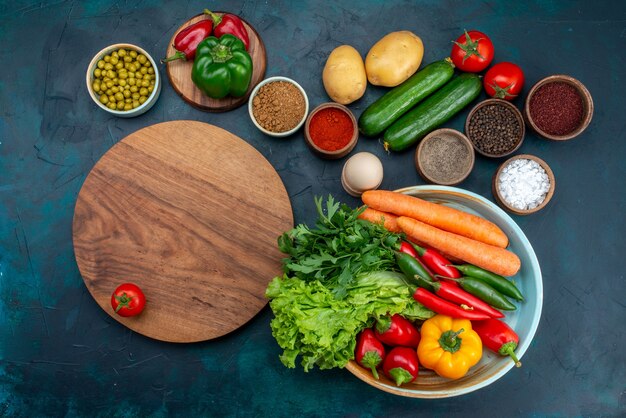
{"x":222,"y":67}
{"x":485,"y":292}
{"x":414,"y":269}
{"x":499,"y":283}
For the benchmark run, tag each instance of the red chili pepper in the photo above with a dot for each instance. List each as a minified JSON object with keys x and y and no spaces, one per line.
{"x":442,"y":306}
{"x":397,"y":331}
{"x":498,"y":337}
{"x":401,"y":365}
{"x":188,"y":39}
{"x":436,"y":262}
{"x":229,"y":23}
{"x":369,"y":352}
{"x":452,"y":293}
{"x":407,"y":248}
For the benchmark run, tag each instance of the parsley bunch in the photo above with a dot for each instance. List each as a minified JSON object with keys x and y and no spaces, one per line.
{"x":338,"y":249}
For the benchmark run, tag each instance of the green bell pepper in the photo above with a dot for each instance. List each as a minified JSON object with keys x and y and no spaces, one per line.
{"x":222,"y":67}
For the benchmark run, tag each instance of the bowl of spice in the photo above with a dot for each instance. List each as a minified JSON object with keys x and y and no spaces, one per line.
{"x":444,"y":157}
{"x":523,"y":184}
{"x":331,"y":130}
{"x":278,"y":106}
{"x":124,"y":80}
{"x":558,"y":107}
{"x":495,"y":128}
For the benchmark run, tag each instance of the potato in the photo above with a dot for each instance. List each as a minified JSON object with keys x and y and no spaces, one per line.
{"x":394,"y":58}
{"x":344,"y":75}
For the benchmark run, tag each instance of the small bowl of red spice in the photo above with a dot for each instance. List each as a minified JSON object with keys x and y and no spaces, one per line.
{"x":558,"y":107}
{"x":331,"y":130}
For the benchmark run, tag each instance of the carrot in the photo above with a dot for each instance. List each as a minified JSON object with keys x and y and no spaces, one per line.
{"x":440,"y":216}
{"x":495,"y":259}
{"x":388,"y":220}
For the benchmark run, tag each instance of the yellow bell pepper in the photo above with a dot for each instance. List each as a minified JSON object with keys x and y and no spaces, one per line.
{"x":449,"y":346}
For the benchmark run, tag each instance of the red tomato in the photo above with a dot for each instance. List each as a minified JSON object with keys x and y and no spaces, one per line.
{"x":128,"y":300}
{"x":472,"y":52}
{"x":504,"y":81}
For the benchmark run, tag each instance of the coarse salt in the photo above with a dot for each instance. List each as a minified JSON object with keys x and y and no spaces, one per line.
{"x":523,"y":184}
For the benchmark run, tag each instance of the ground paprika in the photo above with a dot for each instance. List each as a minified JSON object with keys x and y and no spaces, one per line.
{"x":331,"y":129}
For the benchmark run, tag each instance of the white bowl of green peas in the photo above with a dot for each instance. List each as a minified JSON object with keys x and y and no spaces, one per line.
{"x":123,"y":80}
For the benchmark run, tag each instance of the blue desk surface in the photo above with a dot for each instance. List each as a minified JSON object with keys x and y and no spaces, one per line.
{"x":61,"y":355}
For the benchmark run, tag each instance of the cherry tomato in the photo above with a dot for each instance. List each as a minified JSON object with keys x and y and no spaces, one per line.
{"x":504,"y":81}
{"x":472,"y":52}
{"x":128,"y":300}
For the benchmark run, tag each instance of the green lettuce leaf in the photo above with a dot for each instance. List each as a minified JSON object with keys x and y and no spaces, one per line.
{"x":310,"y":322}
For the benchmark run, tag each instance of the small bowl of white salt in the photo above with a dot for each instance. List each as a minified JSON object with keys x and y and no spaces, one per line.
{"x":523,"y":184}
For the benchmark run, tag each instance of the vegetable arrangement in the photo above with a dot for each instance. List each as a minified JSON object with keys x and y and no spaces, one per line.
{"x":221,"y":63}
{"x":354,"y":290}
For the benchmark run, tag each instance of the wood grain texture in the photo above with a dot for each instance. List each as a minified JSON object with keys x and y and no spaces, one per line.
{"x":191,"y":214}
{"x":179,"y":72}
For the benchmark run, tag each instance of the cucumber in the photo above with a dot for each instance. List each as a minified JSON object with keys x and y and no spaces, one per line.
{"x":432,"y":112}
{"x":384,"y":111}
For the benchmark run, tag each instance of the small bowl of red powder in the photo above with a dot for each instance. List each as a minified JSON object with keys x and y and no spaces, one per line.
{"x":331,"y":130}
{"x":558,"y":107}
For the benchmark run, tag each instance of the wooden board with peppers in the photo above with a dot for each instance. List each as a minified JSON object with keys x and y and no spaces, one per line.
{"x":179,"y":71}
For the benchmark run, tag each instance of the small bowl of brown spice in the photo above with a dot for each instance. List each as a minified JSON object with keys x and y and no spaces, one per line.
{"x":444,"y":157}
{"x":495,"y":127}
{"x":278,"y":106}
{"x":558,"y":107}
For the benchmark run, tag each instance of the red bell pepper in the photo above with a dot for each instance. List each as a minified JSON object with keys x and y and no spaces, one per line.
{"x":397,"y":331}
{"x":188,"y":39}
{"x":229,"y":23}
{"x":369,"y":352}
{"x":442,"y":306}
{"x":401,"y":365}
{"x":436,"y":262}
{"x":498,"y":337}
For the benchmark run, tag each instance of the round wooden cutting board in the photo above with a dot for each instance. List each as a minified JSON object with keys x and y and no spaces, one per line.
{"x":179,"y":72}
{"x":190,"y":213}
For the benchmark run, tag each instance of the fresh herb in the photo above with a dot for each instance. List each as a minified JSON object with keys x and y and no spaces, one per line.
{"x":310,"y":322}
{"x":338,"y":249}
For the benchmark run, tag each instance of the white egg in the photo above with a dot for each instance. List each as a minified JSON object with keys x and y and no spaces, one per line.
{"x":363,"y":171}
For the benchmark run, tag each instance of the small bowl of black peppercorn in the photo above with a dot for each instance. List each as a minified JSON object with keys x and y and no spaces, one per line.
{"x":495,"y":127}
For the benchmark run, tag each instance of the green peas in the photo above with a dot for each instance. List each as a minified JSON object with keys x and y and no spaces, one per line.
{"x":123,"y":79}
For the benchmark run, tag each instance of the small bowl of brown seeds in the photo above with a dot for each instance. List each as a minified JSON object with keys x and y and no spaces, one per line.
{"x":495,"y":127}
{"x":278,"y":106}
{"x":123,"y":80}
